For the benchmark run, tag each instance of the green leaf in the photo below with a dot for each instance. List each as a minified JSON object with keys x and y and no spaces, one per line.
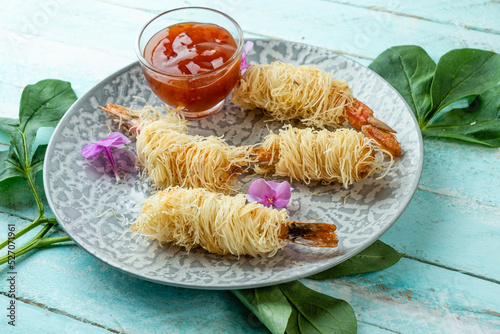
{"x":376,"y":257}
{"x":10,"y":127}
{"x":461,"y":73}
{"x":410,"y":70}
{"x":269,"y":305}
{"x":37,"y":160}
{"x":293,"y":323}
{"x":432,"y":91}
{"x":43,"y":104}
{"x":9,"y":165}
{"x":318,"y":313}
{"x":479,"y":123}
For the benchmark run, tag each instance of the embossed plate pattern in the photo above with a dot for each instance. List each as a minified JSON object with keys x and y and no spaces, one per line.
{"x":81,"y":192}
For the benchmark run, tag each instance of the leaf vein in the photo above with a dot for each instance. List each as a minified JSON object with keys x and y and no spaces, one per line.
{"x":462,"y":82}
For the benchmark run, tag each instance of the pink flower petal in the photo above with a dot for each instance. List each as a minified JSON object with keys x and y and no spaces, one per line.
{"x":281,"y":203}
{"x":115,"y":139}
{"x":260,"y":189}
{"x":91,"y":150}
{"x":252,"y":198}
{"x":283,"y":189}
{"x":248,"y":46}
{"x":270,"y":193}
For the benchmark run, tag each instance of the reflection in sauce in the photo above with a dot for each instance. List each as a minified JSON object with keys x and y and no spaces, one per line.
{"x":192,"y":62}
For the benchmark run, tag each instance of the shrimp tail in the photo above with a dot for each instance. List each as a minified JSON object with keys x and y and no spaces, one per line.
{"x":360,"y":117}
{"x":312,"y":234}
{"x":379,"y":124}
{"x":383,"y":139}
{"x":129,"y":120}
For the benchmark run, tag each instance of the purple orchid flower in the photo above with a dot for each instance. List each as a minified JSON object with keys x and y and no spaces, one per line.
{"x":115,"y":140}
{"x":270,"y":193}
{"x":246,"y":49}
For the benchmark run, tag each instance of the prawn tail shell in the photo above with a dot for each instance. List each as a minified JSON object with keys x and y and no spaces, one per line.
{"x":312,"y":234}
{"x":383,"y":139}
{"x":128,"y":119}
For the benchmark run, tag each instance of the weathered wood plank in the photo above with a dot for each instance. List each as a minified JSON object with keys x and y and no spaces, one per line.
{"x":36,"y":319}
{"x":478,"y":15}
{"x":460,"y":239}
{"x":471,"y":14}
{"x":409,"y":295}
{"x":55,"y":60}
{"x":413,"y":297}
{"x":355,"y":28}
{"x":431,"y":229}
{"x":71,"y":281}
{"x":455,"y":210}
{"x":465,"y":171}
{"x":50,"y":34}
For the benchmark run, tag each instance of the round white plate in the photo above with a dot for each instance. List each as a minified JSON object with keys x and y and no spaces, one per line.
{"x":96,"y":212}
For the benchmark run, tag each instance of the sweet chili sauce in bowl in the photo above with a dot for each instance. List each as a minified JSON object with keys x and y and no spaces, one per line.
{"x":193,"y":64}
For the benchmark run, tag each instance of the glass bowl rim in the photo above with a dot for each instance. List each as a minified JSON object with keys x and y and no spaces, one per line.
{"x":236,"y":54}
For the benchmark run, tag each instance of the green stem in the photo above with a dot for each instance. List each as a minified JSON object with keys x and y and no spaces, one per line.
{"x":425,"y":121}
{"x":37,"y":242}
{"x":32,"y":186}
{"x":26,"y":247}
{"x":44,"y":242}
{"x":40,"y":234}
{"x":44,"y":230}
{"x":28,"y":228}
{"x":31,"y":183}
{"x":422,"y":126}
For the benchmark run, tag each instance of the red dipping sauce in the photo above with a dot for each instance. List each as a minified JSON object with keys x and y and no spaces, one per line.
{"x":194,"y":66}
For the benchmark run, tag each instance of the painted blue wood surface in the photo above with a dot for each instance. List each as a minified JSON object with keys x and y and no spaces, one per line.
{"x":449,"y":279}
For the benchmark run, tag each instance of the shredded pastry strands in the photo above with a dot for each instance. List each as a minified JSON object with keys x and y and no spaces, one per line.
{"x":171,"y":157}
{"x":288,"y":92}
{"x":218,"y":223}
{"x":344,"y":155}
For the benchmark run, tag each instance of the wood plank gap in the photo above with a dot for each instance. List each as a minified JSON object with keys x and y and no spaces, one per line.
{"x":27,"y":219}
{"x":468,"y":273}
{"x":383,"y":10}
{"x":467,"y":200}
{"x":380,"y":327}
{"x":63,"y":313}
{"x":244,"y":31}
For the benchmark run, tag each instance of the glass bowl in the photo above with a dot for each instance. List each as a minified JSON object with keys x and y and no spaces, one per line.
{"x":176,"y":68}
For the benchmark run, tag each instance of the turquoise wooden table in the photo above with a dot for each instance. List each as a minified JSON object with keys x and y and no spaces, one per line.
{"x":449,"y":278}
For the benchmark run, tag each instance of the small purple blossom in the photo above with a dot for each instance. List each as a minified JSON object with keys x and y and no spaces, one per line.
{"x":246,"y":49}
{"x":115,"y":140}
{"x":270,"y":193}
